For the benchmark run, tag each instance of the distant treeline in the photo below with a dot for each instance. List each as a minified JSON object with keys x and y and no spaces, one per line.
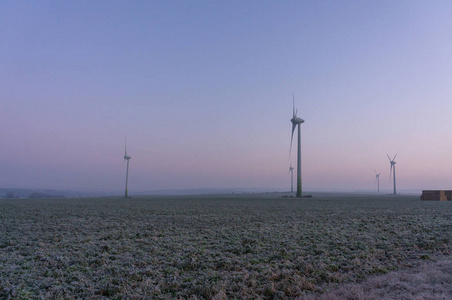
{"x":35,"y":195}
{"x":38,"y":195}
{"x":13,"y":193}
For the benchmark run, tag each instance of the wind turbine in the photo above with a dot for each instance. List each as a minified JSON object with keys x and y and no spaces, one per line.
{"x":126,"y":157}
{"x":291,"y":178}
{"x":297,"y":121}
{"x":377,"y":180}
{"x":393,"y":163}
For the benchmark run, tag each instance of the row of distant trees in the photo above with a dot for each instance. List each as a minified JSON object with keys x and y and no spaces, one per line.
{"x":34,"y":195}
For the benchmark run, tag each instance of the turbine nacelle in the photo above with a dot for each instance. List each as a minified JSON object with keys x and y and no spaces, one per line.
{"x":295,"y":120}
{"x":391,"y":160}
{"x":377,"y":176}
{"x":392,"y":169}
{"x":126,"y":157}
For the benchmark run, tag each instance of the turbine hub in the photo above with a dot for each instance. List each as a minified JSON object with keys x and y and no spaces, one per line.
{"x":296,"y":120}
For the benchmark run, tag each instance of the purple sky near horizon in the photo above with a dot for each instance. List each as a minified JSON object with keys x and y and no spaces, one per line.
{"x":203,"y":92}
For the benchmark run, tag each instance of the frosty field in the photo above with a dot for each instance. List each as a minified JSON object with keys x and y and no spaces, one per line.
{"x":223,"y":246}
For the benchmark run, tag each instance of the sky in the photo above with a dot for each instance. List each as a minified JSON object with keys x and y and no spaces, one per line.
{"x":203,"y":91}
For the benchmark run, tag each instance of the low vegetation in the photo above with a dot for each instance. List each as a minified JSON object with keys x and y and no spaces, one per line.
{"x":432,"y":280}
{"x":236,"y":246}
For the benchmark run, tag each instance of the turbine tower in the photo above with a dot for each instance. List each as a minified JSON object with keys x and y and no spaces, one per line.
{"x":291,"y":178}
{"x":377,"y":180}
{"x":392,"y":169}
{"x":297,"y":121}
{"x":126,"y":157}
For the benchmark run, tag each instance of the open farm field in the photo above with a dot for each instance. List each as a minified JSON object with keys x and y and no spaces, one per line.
{"x":218,"y":246}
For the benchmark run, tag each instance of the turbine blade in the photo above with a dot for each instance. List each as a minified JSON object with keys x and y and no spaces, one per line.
{"x":388,"y":157}
{"x":293,"y":95}
{"x":291,"y":139}
{"x":394,"y":157}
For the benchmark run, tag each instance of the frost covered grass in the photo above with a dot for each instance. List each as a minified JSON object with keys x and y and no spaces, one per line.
{"x":432,"y":280}
{"x":220,"y":246}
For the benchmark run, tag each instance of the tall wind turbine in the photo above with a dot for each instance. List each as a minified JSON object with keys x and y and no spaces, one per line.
{"x":126,"y":157}
{"x":297,"y":121}
{"x":291,"y":178}
{"x":377,"y":180}
{"x":393,"y":163}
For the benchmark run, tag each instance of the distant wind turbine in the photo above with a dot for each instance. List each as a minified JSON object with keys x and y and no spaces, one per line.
{"x":291,"y":178}
{"x":297,"y":121}
{"x":126,"y":157}
{"x":377,"y":180}
{"x":392,"y":169}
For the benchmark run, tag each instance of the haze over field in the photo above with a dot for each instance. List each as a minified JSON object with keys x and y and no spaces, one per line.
{"x":203,"y":92}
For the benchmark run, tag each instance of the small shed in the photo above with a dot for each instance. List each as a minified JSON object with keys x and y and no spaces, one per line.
{"x":437,"y":195}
